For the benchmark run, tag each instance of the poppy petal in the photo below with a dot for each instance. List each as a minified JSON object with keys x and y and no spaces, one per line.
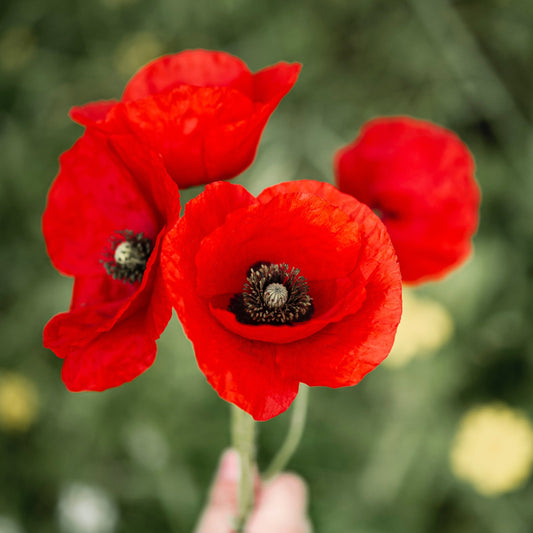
{"x":204,"y":214}
{"x":93,"y":197}
{"x":241,"y":371}
{"x":200,"y":68}
{"x":93,"y":113}
{"x":420,"y":178}
{"x":94,"y":366}
{"x":272,"y":83}
{"x":176,"y":124}
{"x":345,"y":351}
{"x":326,"y":238}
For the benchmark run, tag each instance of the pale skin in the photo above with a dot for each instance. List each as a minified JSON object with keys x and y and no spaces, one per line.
{"x":280,"y":505}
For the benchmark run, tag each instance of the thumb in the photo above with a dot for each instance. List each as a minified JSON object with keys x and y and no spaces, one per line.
{"x":222,"y":504}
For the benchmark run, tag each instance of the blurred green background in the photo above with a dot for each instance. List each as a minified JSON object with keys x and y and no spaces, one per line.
{"x":377,"y":456}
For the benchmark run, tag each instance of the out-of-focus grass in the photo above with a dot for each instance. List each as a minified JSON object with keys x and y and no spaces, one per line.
{"x":376,"y":456}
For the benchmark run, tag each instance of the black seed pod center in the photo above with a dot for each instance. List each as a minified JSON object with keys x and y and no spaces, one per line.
{"x":127,"y":257}
{"x":273,"y":294}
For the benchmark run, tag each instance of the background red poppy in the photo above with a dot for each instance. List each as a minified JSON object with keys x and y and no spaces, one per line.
{"x":204,"y":111}
{"x":419,"y":178}
{"x":345,"y":255}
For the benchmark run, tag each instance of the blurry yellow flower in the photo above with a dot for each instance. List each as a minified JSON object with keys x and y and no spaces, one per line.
{"x":18,"y":402}
{"x":493,"y":449}
{"x":136,"y":50}
{"x":17,"y":46}
{"x":425,"y":326}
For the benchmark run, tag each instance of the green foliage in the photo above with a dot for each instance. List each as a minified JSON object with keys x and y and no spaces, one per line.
{"x":376,"y":456}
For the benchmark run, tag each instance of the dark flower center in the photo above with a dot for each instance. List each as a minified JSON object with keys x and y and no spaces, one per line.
{"x":127,"y":257}
{"x":272,"y":294}
{"x":378,"y":212}
{"x":384,"y":214}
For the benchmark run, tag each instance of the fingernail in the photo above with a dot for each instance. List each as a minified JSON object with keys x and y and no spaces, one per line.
{"x":229,"y":469}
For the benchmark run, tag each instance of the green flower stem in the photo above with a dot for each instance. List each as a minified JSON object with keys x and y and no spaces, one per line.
{"x":243,"y":437}
{"x":294,"y":435}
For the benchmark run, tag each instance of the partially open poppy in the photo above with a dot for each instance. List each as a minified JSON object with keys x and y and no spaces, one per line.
{"x":300,"y":284}
{"x":204,"y":111}
{"x":419,"y":178}
{"x":104,"y":223}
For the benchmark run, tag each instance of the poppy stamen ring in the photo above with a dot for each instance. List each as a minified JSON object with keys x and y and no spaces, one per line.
{"x":127,"y":257}
{"x":274,"y":294}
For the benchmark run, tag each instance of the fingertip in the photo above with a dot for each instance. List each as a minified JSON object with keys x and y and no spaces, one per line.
{"x":224,"y":488}
{"x":222,"y":503}
{"x":289,"y":488}
{"x":229,"y":466}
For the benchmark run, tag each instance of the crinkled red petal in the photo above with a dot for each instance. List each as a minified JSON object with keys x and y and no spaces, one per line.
{"x":346,"y":350}
{"x":148,"y":173}
{"x":239,"y":370}
{"x":300,"y":230}
{"x":320,"y":188}
{"x":202,"y":216}
{"x":243,"y":372}
{"x":179,"y":123}
{"x":270,"y":86}
{"x":93,"y":197}
{"x":201,"y":68}
{"x":74,"y":329}
{"x":231,"y":147}
{"x":111,"y":358}
{"x":272,"y":83}
{"x":100,"y":289}
{"x":92,"y":114}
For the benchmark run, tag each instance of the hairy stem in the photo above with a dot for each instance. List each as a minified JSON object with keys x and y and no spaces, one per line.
{"x":243,"y":437}
{"x":294,"y":434}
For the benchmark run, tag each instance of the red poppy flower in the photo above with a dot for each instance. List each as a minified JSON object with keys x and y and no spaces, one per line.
{"x":419,"y":178}
{"x":104,"y":223}
{"x":203,"y":111}
{"x":300,"y":284}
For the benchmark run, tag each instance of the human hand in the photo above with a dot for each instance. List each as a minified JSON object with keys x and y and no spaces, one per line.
{"x":281,"y":504}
